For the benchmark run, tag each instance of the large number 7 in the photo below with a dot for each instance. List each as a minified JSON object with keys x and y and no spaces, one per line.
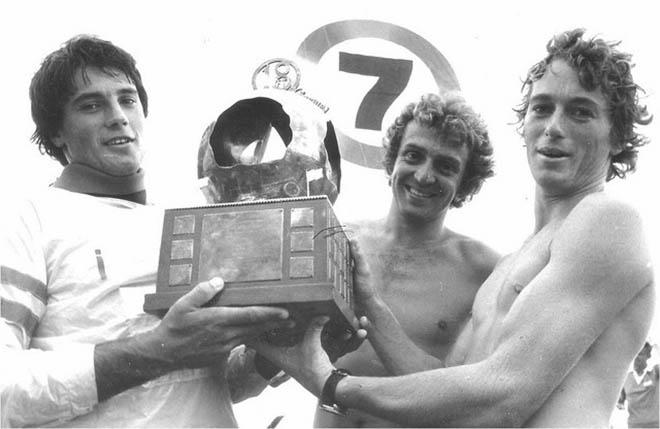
{"x":393,"y":76}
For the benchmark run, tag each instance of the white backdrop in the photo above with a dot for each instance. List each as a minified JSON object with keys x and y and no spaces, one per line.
{"x":197,"y":57}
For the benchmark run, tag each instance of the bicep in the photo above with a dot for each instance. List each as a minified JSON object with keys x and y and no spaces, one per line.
{"x":597,"y":265}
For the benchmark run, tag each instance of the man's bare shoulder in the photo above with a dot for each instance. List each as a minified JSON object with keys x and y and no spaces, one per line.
{"x":603,"y":203}
{"x":476,"y":253}
{"x":606,"y":235}
{"x":365,"y":229}
{"x":598,"y":218}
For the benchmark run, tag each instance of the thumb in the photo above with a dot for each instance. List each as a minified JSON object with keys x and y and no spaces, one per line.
{"x":313,"y":333}
{"x":361,"y":267}
{"x":202,"y":293}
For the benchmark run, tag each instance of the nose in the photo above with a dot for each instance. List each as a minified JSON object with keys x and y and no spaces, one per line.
{"x":424,"y":174}
{"x":115,"y":115}
{"x":554,"y":126}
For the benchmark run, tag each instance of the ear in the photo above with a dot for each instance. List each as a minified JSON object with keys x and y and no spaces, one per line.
{"x":616,"y":149}
{"x":616,"y":143}
{"x":58,"y":140}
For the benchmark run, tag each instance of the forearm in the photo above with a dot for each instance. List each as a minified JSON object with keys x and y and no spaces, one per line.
{"x":455,"y":397}
{"x":396,"y":350}
{"x":128,"y":362}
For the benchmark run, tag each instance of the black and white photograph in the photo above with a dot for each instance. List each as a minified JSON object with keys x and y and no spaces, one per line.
{"x":329,"y":214}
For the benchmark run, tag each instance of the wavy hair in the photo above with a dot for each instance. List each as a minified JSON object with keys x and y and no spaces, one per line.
{"x":54,"y":84}
{"x":599,"y":65}
{"x":454,"y":120}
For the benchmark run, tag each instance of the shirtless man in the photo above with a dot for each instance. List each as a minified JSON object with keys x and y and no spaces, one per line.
{"x":437,"y":155}
{"x":556,"y":325}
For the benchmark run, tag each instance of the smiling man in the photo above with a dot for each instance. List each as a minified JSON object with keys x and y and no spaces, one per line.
{"x":438,"y":154}
{"x":556,"y":325}
{"x":77,"y":259}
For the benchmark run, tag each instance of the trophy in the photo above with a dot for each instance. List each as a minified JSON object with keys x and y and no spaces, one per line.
{"x":269,"y":167}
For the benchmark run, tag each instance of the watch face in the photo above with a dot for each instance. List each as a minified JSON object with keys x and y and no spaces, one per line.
{"x":334,"y":409}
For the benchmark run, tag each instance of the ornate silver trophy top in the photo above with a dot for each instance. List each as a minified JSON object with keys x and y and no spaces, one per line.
{"x":276,"y":144}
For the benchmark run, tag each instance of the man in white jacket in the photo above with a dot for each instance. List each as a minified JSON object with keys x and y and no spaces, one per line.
{"x":77,"y":259}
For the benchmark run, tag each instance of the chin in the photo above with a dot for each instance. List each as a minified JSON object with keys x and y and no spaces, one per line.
{"x":546,"y":178}
{"x":123,"y":170}
{"x":418,"y":215}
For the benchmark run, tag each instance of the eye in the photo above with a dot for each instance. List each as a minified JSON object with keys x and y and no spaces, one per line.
{"x":583,"y":113}
{"x":90,"y":106}
{"x":129,"y":101}
{"x":412,"y":156}
{"x":447,"y":168}
{"x":541,"y":109}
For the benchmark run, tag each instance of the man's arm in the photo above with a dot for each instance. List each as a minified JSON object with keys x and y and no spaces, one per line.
{"x":46,"y":386}
{"x":598,"y":264}
{"x":189,"y":336}
{"x":398,"y":353}
{"x":38,"y":386}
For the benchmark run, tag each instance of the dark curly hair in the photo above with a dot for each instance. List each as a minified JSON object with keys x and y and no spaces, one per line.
{"x":454,"y":120}
{"x":599,"y":65}
{"x":54,"y":84}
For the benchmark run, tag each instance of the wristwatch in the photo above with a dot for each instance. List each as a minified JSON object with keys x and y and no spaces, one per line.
{"x":328,"y":401}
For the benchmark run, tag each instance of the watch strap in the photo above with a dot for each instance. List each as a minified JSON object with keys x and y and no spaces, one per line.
{"x":328,"y":401}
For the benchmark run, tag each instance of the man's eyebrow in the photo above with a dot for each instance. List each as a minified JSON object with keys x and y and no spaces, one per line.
{"x":585,"y":100}
{"x":413,"y":145}
{"x":572,"y":100}
{"x":98,"y":94}
{"x":452,"y":160}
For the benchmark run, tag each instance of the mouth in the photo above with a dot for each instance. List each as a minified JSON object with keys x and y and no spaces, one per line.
{"x":417,"y":193}
{"x":551,"y":152}
{"x":118,"y":141}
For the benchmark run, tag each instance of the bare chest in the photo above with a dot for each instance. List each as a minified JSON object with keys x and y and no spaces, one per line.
{"x":511,"y":278}
{"x":431,"y":294}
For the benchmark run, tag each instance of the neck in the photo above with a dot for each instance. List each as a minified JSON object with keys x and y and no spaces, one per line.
{"x":408,"y":231}
{"x":87,"y":180}
{"x":555,"y":207}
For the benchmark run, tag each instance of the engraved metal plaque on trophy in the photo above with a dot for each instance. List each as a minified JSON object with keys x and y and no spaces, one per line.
{"x":289,"y":252}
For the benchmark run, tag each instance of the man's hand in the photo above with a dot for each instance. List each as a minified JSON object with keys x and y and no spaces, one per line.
{"x":363,"y":288}
{"x":189,"y":336}
{"x":337,"y":341}
{"x":306,"y":361}
{"x":192,"y":335}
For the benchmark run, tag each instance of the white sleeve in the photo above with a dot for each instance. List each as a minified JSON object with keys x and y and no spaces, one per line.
{"x":38,"y":386}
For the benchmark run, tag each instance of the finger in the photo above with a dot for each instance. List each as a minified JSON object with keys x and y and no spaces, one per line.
{"x":361,"y":267}
{"x":365,"y":323}
{"x":251,"y":333}
{"x":254,"y":315}
{"x":313,"y":333}
{"x":201,"y":294}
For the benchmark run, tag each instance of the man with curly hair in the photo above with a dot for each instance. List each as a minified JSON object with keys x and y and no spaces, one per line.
{"x":437,"y":156}
{"x":556,"y":325}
